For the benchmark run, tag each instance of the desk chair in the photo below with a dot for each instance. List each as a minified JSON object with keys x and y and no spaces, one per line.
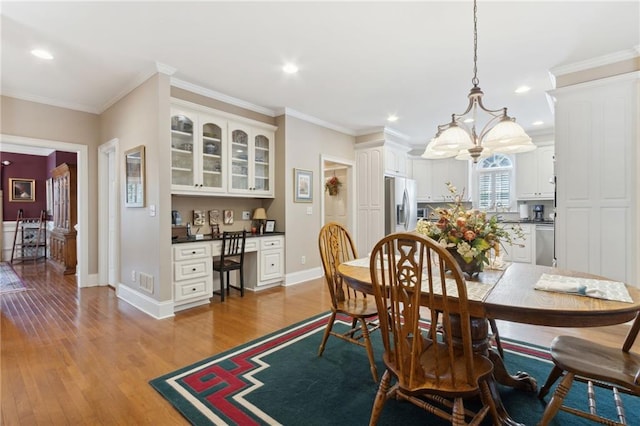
{"x":436,"y":372}
{"x":584,"y":360}
{"x":231,"y":259}
{"x":336,"y":247}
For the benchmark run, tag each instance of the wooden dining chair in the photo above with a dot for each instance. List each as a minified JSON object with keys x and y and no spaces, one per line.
{"x":435,"y":371}
{"x":599,"y":365}
{"x":231,"y":259}
{"x":336,"y":247}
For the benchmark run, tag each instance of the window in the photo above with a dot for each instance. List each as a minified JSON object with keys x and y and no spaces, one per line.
{"x":494,"y":179}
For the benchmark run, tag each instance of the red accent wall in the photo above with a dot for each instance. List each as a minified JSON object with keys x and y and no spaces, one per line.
{"x":25,"y":166}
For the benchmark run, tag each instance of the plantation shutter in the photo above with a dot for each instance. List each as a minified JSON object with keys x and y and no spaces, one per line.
{"x":494,"y":182}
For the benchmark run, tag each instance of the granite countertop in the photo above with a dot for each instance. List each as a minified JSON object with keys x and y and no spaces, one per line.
{"x":208,"y":237}
{"x":532,"y":222}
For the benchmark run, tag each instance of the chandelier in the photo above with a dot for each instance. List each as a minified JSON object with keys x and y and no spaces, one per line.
{"x":460,"y":138}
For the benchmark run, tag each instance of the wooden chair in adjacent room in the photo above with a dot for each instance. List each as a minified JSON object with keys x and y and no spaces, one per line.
{"x":336,"y":247}
{"x":231,"y":259}
{"x":437,"y":372}
{"x":598,"y":365}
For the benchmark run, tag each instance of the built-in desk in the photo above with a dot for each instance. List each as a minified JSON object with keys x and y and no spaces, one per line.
{"x":194,"y":280}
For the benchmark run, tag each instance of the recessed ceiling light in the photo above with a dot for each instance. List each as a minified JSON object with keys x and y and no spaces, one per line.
{"x":392,"y":118}
{"x":538,"y":123}
{"x":523,"y":89}
{"x":42,"y":54}
{"x":290,"y":68}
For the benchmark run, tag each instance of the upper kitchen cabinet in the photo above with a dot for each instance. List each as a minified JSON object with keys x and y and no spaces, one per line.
{"x":198,"y":149}
{"x":395,"y":160}
{"x":534,"y":174}
{"x":251,"y":160}
{"x":431,"y":177}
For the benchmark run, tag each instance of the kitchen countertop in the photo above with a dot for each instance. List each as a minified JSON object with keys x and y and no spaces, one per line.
{"x":532,"y":222}
{"x":208,"y":237}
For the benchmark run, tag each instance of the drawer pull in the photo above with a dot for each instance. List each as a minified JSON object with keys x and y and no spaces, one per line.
{"x":193,"y":269}
{"x":193,"y":252}
{"x":193,"y":289}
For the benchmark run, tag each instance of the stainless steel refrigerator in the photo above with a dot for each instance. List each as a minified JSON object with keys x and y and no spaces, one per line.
{"x":400,"y":205}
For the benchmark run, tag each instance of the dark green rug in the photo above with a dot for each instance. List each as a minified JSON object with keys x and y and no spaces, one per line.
{"x":279,"y":379}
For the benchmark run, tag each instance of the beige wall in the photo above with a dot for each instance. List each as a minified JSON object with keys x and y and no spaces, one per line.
{"x":141,"y":118}
{"x":305,"y":142}
{"x":39,"y":121}
{"x":187,"y":204}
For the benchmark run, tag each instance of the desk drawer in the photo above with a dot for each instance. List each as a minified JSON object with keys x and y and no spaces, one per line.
{"x":271,"y":243}
{"x":191,"y":251}
{"x":193,"y":269}
{"x":192,"y":289}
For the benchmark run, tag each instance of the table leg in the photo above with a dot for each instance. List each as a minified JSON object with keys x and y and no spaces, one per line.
{"x":482,"y":344}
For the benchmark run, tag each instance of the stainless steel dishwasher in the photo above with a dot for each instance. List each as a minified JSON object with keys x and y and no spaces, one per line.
{"x":544,"y":244}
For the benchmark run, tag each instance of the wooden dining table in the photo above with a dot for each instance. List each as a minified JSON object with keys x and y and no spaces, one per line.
{"x":509,"y":295}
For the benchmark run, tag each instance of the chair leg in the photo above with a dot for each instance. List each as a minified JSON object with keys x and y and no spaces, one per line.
{"x":381,"y":398}
{"x":228,"y":284}
{"x":367,"y":345}
{"x":496,"y":336}
{"x":241,"y":282}
{"x":327,"y":333}
{"x":222,"y":286}
{"x":556,"y":400}
{"x":553,"y":376}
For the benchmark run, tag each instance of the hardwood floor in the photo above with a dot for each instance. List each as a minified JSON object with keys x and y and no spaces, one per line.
{"x":82,"y":356}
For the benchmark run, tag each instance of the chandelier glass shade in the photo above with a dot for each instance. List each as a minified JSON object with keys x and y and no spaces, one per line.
{"x":461,"y":138}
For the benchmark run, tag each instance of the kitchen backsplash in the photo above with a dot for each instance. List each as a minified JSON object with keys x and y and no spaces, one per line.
{"x":185,"y":205}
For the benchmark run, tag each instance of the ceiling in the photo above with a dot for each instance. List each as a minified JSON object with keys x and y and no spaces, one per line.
{"x":359,"y":61}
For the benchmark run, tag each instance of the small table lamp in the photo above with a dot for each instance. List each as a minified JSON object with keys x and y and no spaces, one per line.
{"x":259,"y":215}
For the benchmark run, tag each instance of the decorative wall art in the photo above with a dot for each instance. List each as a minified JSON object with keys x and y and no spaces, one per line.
{"x":228,"y":217}
{"x":214,"y":217}
{"x":134,"y":177}
{"x":198,"y":218}
{"x":270,"y":226}
{"x":303,"y":186}
{"x":22,"y":190}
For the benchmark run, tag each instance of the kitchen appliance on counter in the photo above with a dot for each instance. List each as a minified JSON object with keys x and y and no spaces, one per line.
{"x":538,"y":212}
{"x":400,"y":206}
{"x":524,"y":211}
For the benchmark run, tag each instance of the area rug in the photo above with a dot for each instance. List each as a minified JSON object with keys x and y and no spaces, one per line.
{"x":9,"y":281}
{"x":279,"y":379}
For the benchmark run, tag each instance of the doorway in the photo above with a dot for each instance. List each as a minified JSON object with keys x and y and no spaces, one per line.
{"x":339,"y":206}
{"x":82,"y":241}
{"x":108,"y":220}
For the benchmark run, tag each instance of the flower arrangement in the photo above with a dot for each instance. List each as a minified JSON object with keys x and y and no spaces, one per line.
{"x":332,"y":184}
{"x":468,"y":233}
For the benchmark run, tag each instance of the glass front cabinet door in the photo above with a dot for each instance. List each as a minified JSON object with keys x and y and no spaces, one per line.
{"x":251,"y":160}
{"x":197,"y":152}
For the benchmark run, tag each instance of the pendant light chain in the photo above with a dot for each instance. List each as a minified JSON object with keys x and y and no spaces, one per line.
{"x":475,"y":80}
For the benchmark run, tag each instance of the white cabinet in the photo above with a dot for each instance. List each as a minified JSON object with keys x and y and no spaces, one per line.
{"x":198,"y":151}
{"x":192,"y":274}
{"x":395,"y":161}
{"x":251,"y":160}
{"x":432,"y":175}
{"x":522,"y":249}
{"x":534,"y":174}
{"x":370,"y":198}
{"x":271,"y":262}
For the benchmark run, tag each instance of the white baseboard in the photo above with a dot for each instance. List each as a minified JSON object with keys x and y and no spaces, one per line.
{"x":302,"y":276}
{"x":152,"y":307}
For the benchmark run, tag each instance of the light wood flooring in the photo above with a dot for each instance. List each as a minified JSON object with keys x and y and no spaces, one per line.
{"x":74,"y":356}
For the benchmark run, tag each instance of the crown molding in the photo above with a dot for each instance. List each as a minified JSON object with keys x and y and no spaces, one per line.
{"x":52,"y":102}
{"x":25,"y":149}
{"x":181,"y":84}
{"x":165,"y":69}
{"x":128,"y":88}
{"x":611,"y":58}
{"x":630,"y":76}
{"x":314,"y":120}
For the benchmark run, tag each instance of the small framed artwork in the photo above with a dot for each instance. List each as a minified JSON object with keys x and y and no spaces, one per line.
{"x":269,"y":226}
{"x":228,"y":217}
{"x":22,"y":190}
{"x":215,"y":230}
{"x":214,"y":217}
{"x":198,"y":218}
{"x":134,"y":177}
{"x":303,"y":186}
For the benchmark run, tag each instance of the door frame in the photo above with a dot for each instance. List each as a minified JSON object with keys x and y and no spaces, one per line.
{"x":351,"y":185}
{"x":82,"y":153}
{"x":108,"y":198}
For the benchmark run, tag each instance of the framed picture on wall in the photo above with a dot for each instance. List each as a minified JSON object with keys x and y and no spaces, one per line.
{"x":228,"y":217}
{"x":303,"y":186}
{"x":22,"y":190}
